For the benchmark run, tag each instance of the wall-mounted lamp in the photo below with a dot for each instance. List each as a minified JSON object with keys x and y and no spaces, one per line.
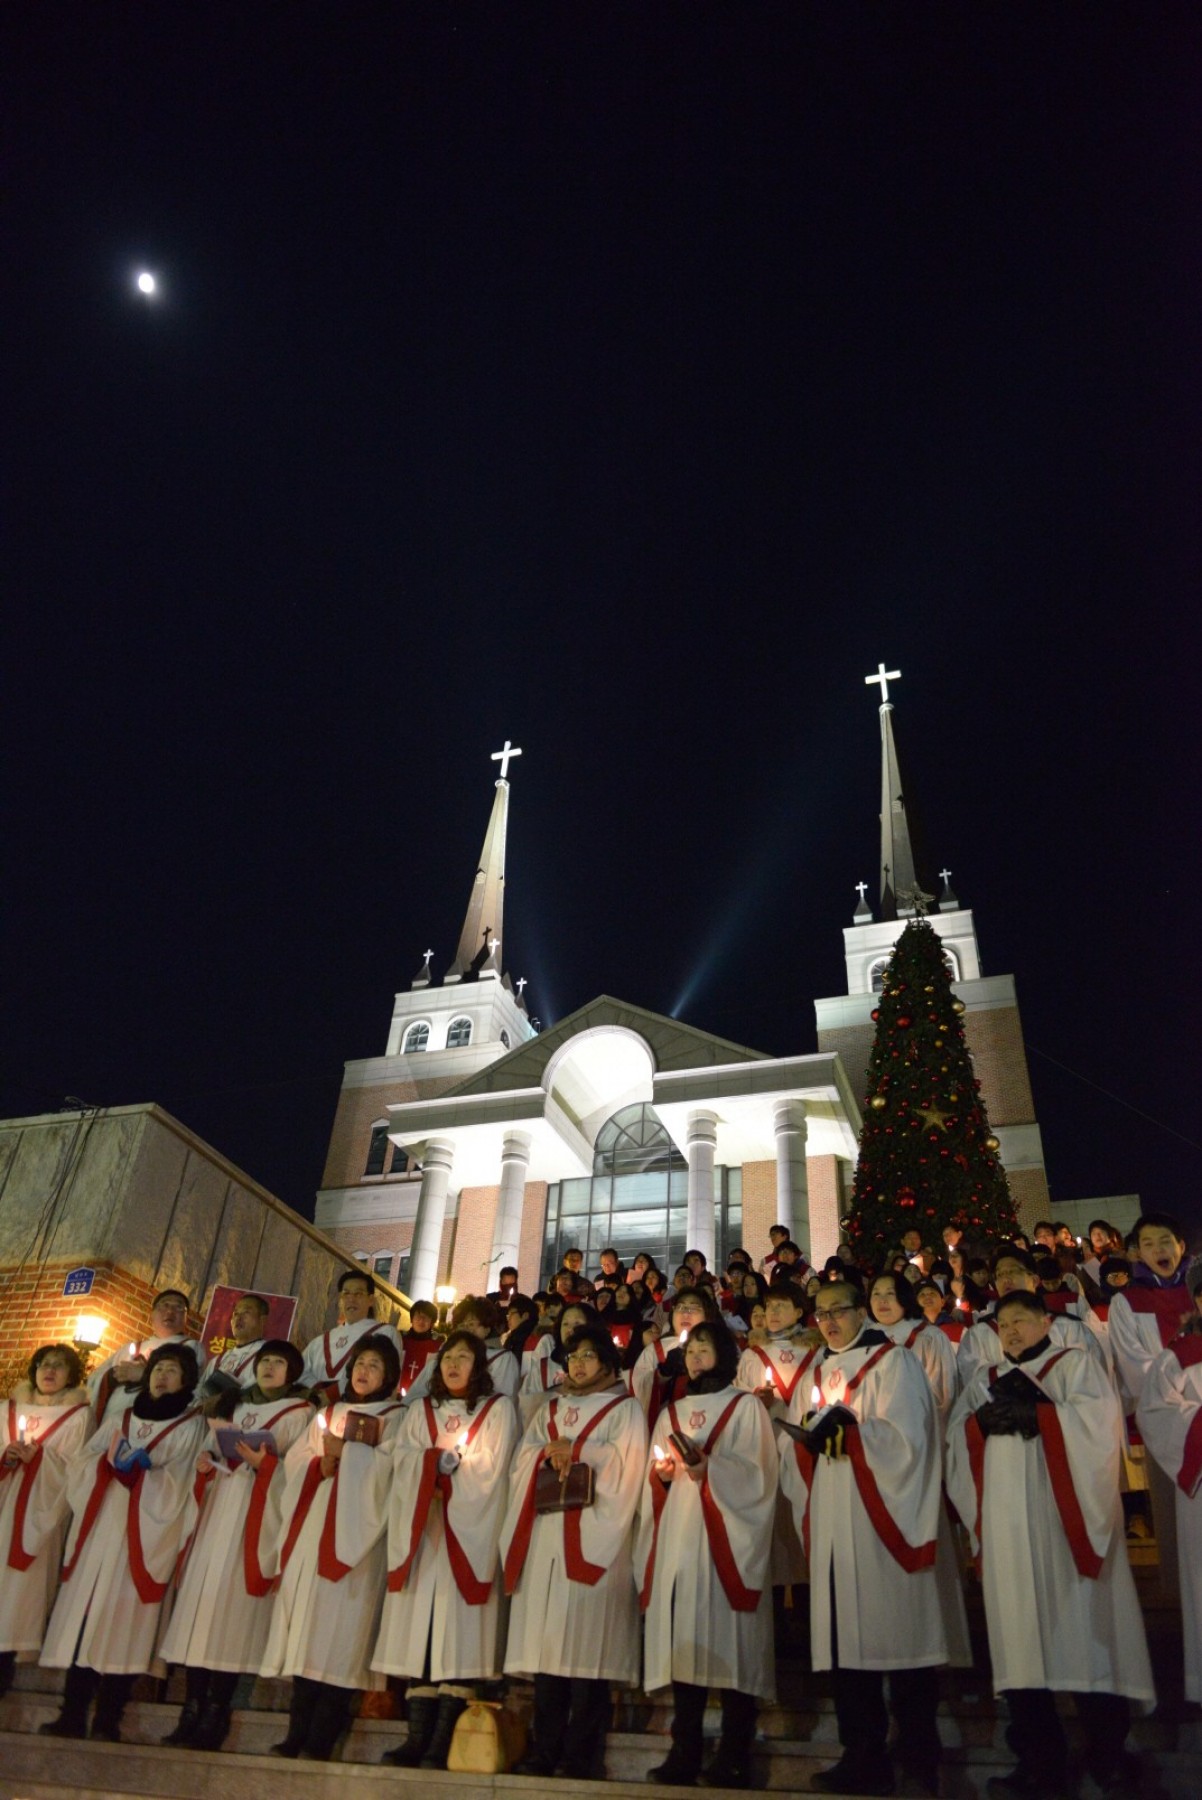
{"x":89,"y":1331}
{"x":445,"y":1296}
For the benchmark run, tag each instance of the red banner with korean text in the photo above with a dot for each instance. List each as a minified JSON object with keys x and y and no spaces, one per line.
{"x":218,"y":1336}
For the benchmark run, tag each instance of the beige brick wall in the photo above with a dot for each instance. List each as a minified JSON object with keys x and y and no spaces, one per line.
{"x":759,"y":1207}
{"x":1029,"y":1192}
{"x":357,"y":1111}
{"x":826,"y":1206}
{"x":530,"y":1244}
{"x":473,"y":1239}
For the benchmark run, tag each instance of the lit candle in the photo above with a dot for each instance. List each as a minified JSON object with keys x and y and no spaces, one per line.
{"x":133,"y":1351}
{"x":402,"y":1390}
{"x":961,"y":1305}
{"x":21,"y":1429}
{"x":461,"y":1441}
{"x":684,"y":1336}
{"x":815,"y":1397}
{"x":321,"y":1424}
{"x":658,"y":1454}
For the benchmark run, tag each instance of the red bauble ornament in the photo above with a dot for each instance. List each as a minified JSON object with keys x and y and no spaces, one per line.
{"x":908,"y":1202}
{"x":875,"y":1013}
{"x":903,"y":1022}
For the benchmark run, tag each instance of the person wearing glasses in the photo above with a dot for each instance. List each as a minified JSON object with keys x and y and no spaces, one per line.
{"x":168,"y":1325}
{"x":566,"y":1554}
{"x":863,"y":1474}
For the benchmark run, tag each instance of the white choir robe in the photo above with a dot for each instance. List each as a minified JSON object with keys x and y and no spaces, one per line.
{"x":575,"y":1607}
{"x":332,"y":1553}
{"x":980,"y":1349}
{"x":1169,"y":1416}
{"x":503,"y":1366}
{"x":936,"y":1353}
{"x":872,"y":1515}
{"x":786,"y":1363}
{"x":116,"y":1399}
{"x":1045,"y":1513}
{"x":540,"y":1377}
{"x":123,"y":1545}
{"x":1142,"y":1322}
{"x":703,"y":1549}
{"x":444,"y":1571}
{"x":34,"y":1510}
{"x":328,"y":1356}
{"x":643,"y":1377}
{"x":238,"y":1363}
{"x":221,"y":1610}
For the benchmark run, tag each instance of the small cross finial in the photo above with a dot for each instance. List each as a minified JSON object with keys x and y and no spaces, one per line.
{"x":492,"y":944}
{"x":521,"y":983}
{"x":429,"y":955}
{"x":882,"y":678}
{"x":945,"y":875}
{"x":861,"y":890}
{"x":505,"y":756}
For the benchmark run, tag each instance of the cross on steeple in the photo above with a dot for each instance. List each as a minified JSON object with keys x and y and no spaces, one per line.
{"x":945,"y":874}
{"x":521,"y":983}
{"x":882,"y":678}
{"x":429,"y":955}
{"x":861,"y":890}
{"x":505,"y":756}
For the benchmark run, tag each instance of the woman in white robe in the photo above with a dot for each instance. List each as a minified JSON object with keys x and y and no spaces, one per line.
{"x":1169,"y":1415}
{"x":484,"y":1319}
{"x":895,"y":1311}
{"x":702,"y":1559}
{"x":442,"y":1614}
{"x":658,"y":1374}
{"x":544,"y":1369}
{"x":43,"y":1426}
{"x":221,"y":1610}
{"x":573,"y":1625}
{"x":1033,"y":1468}
{"x":129,"y":1489}
{"x":331,"y":1554}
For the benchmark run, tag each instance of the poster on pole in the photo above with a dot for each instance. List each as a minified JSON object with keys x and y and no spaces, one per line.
{"x":217,"y":1336}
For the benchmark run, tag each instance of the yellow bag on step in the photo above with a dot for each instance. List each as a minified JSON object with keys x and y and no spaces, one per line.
{"x":488,"y":1739}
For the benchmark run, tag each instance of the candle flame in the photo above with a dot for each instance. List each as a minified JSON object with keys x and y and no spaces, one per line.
{"x":684,"y":1336}
{"x":21,"y":1424}
{"x":321,"y":1424}
{"x":658,"y":1453}
{"x":133,"y":1351}
{"x":815,"y":1396}
{"x":461,"y":1441}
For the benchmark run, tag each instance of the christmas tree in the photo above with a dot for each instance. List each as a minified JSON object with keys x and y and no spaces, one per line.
{"x":927,"y":1156}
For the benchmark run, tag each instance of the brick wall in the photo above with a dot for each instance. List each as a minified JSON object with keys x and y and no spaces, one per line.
{"x":358,"y":1109}
{"x":995,"y":1042}
{"x":1029,"y":1192}
{"x":826,"y":1206}
{"x":530,"y":1244}
{"x":759,"y":1207}
{"x":36,"y":1311}
{"x":472,"y":1251}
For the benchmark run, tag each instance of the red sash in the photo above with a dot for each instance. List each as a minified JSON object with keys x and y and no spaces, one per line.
{"x":740,"y":1598}
{"x":1169,"y":1306}
{"x":18,"y":1557}
{"x":786,"y":1387}
{"x":259,"y":1585}
{"x":149,"y":1591}
{"x":474,"y":1591}
{"x":577,"y":1567}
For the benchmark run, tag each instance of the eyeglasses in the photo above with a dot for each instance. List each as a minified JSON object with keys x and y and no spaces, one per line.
{"x":584,"y":1356}
{"x":832,"y":1312}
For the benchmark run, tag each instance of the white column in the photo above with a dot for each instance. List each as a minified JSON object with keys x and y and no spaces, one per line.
{"x":700,"y":1145}
{"x":431,"y":1212}
{"x":792,"y":1191}
{"x":507,"y":1232}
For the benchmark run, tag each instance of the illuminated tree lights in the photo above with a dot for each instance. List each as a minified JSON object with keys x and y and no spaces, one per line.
{"x":927,"y":1155}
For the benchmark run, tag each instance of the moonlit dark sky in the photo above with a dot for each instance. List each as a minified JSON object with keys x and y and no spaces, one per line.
{"x":625,"y":380}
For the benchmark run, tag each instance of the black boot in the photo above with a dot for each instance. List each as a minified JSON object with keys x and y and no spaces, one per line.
{"x":552,"y":1704}
{"x":421,"y":1713}
{"x":300,"y":1708}
{"x":196,"y":1687}
{"x":213,"y":1726}
{"x":8,"y":1670}
{"x":72,"y":1721}
{"x":327,"y":1722}
{"x":731,"y":1767}
{"x":449,"y":1708}
{"x":683,"y":1763}
{"x":112,"y":1698}
{"x":584,"y":1747}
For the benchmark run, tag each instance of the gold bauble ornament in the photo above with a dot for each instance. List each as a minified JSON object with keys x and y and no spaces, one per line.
{"x":877,"y":1102}
{"x":928,"y":990}
{"x":958,"y":1006}
{"x":992,"y":1143}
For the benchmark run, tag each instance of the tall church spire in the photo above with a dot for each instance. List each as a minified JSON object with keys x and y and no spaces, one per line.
{"x":480,"y":941}
{"x":899,"y":882}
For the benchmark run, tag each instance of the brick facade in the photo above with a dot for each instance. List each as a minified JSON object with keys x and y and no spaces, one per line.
{"x":759,"y":1207}
{"x":472,"y":1251}
{"x":1029,"y":1192}
{"x":827,"y":1200}
{"x":36,"y":1312}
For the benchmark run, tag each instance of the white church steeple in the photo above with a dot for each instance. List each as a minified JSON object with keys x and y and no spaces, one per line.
{"x":481,"y":942}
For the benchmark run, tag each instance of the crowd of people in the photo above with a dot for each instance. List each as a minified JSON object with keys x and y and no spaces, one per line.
{"x":633,"y":1479}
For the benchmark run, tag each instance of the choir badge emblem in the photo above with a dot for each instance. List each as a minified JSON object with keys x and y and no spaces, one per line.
{"x":250,"y":1420}
{"x":341,"y":1341}
{"x":572,"y":1416}
{"x":833,"y":1380}
{"x":788,"y":1358}
{"x":144,"y":1431}
{"x":452,"y":1423}
{"x":696,"y":1421}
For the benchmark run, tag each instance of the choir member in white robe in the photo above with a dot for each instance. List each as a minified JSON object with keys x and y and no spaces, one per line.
{"x":658,"y":1375}
{"x":1013,"y":1271}
{"x":128,"y":1488}
{"x":1033,"y":1468}
{"x":441,"y":1626}
{"x":544,"y":1369}
{"x":331,"y":1554}
{"x":328,"y":1355}
{"x":702,"y":1560}
{"x":574,"y":1624}
{"x":484,"y":1319}
{"x":248,"y":1322}
{"x":773,"y":1368}
{"x":893,"y":1304}
{"x":1169,"y":1416}
{"x":221,"y":1610}
{"x":168,"y":1325}
{"x":43,"y":1426}
{"x":865,"y":1485}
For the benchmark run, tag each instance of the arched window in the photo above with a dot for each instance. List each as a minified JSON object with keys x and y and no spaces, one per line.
{"x":377,"y":1150}
{"x":459,"y":1034}
{"x":633,"y":1141}
{"x":505,"y":1039}
{"x":953,"y":967}
{"x":876,"y":975}
{"x":416,"y":1038}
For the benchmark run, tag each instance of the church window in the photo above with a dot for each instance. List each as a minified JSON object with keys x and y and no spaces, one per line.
{"x":459,"y":1034}
{"x":382,"y":1266}
{"x":377,"y":1150}
{"x":505,"y":1039}
{"x":953,"y":967}
{"x":876,"y":975}
{"x":416,"y":1038}
{"x":400,"y":1161}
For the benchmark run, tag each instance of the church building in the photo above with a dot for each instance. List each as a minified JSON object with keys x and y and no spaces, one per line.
{"x":476,"y":1141}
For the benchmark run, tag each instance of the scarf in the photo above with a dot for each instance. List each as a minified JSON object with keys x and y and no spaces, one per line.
{"x":162,"y":1406}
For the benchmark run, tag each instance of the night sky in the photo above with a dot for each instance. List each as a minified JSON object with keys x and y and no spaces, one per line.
{"x":625,"y":380}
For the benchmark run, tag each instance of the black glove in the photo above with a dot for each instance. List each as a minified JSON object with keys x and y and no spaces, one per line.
{"x":1021,"y":1393}
{"x":1008,"y":1417}
{"x":829,"y":1434}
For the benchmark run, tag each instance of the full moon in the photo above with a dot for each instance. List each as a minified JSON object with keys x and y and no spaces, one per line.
{"x":146,"y":283}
